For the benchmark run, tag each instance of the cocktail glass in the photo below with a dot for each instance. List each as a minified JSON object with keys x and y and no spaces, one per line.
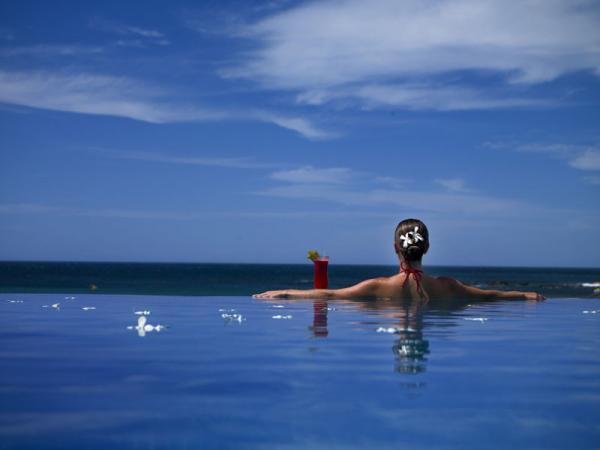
{"x":320,"y":278}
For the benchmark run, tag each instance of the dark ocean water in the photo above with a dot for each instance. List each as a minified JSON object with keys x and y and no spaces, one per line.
{"x":247,"y":279}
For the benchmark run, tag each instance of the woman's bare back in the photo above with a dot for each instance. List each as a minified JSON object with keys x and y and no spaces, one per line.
{"x":398,"y":286}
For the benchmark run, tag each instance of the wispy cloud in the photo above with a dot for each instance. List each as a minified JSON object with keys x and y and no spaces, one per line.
{"x":132,"y":214}
{"x":298,"y":124}
{"x":129,"y":98}
{"x":453,"y":184}
{"x":233,"y":163}
{"x":95,"y":94}
{"x":351,"y":188}
{"x":392,"y":182}
{"x":373,"y":51}
{"x":406,"y":199}
{"x":50,"y":50}
{"x":582,"y":157}
{"x":205,"y":18}
{"x":358,"y":189}
{"x":136,"y":34}
{"x":420,"y":97}
{"x":141,"y":32}
{"x":588,"y":160}
{"x":309,"y":174}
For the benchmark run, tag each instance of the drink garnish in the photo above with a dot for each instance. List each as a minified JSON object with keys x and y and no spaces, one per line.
{"x":313,"y":255}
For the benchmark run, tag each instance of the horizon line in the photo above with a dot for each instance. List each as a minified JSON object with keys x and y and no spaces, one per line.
{"x":59,"y":261}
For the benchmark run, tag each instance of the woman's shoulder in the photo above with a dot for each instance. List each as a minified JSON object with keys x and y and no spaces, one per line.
{"x":444,"y":285}
{"x":447,"y":281}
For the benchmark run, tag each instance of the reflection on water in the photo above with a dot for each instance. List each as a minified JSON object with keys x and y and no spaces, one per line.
{"x":319,"y":325}
{"x":410,"y":349}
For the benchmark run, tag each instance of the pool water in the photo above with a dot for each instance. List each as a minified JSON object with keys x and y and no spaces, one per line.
{"x":320,"y":375}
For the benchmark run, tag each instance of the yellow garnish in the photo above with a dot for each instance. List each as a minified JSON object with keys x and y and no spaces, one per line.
{"x":313,"y":255}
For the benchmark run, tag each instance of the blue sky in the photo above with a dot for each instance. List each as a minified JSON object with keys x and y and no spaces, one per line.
{"x":251,"y":132}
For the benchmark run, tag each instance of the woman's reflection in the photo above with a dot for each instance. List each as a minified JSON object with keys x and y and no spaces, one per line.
{"x":410,"y":349}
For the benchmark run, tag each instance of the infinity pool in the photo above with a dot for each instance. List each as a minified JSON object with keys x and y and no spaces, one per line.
{"x":234,"y":372}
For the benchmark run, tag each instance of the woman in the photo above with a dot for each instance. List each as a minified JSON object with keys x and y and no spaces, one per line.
{"x":411,"y":241}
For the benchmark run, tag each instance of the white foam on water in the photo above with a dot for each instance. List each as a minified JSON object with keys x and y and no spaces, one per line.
{"x":232,"y":317}
{"x":593,"y":311}
{"x":390,"y":330}
{"x":280,"y":317}
{"x":476,"y":319}
{"x":143,"y":327}
{"x":88,"y":308}
{"x":593,"y":285}
{"x":278,"y":306}
{"x":142,"y":313}
{"x":14,"y":301}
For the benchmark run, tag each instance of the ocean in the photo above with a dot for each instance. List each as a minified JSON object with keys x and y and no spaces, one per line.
{"x":180,"y":356}
{"x":248,"y":279}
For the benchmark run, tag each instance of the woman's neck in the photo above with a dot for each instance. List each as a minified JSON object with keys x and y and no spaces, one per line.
{"x":412,"y":264}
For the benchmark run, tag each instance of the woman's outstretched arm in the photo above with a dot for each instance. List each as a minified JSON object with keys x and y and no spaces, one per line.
{"x":367,"y":288}
{"x":463,"y":290}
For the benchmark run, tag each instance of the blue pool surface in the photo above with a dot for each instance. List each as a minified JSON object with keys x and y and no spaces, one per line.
{"x":335,"y":375}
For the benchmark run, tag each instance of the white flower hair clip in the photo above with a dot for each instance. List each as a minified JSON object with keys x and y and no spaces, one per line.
{"x":412,"y":237}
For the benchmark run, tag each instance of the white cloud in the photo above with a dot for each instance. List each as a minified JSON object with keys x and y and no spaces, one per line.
{"x":143,"y":35}
{"x":308,"y":174}
{"x":350,"y":188}
{"x":94,"y":94}
{"x":392,"y":182}
{"x":50,"y":50}
{"x":298,"y":124}
{"x":369,"y":49}
{"x":419,"y":97}
{"x":141,"y":32}
{"x":233,"y":163}
{"x":453,"y":184}
{"x":409,"y":200}
{"x":361,"y":191}
{"x":588,"y":160}
{"x":126,"y":97}
{"x":580,"y":157}
{"x":557,"y":150}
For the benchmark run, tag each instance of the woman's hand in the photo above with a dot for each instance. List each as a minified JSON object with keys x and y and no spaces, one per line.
{"x":272,"y":294}
{"x":534,"y":296}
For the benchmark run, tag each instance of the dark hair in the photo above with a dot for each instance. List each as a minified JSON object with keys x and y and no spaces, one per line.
{"x":415,"y":250}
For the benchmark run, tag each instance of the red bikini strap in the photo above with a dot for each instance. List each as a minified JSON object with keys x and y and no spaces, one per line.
{"x":416,"y":273}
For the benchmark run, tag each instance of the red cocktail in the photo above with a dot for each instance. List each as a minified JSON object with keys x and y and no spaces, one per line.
{"x":320,"y":279}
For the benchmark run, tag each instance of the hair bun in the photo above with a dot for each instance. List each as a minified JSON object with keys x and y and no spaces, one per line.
{"x":411,"y":239}
{"x":414,"y":252}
